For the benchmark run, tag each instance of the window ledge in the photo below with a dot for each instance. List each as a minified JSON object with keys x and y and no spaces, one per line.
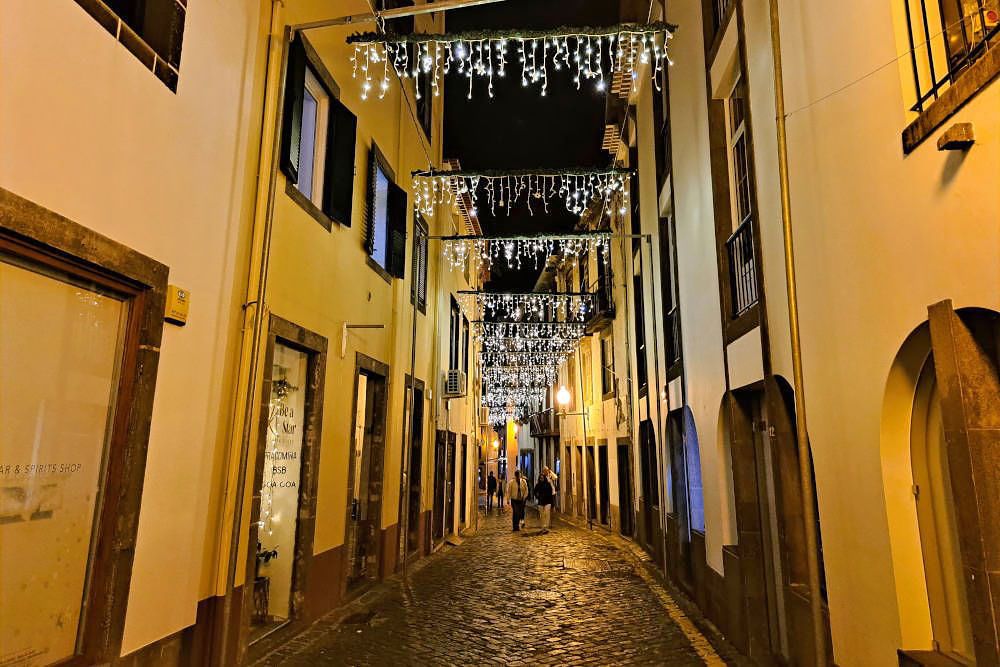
{"x":967,"y":86}
{"x":379,"y":269}
{"x":307,"y":205}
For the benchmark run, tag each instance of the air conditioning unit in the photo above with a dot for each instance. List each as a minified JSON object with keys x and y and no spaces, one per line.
{"x":454,"y":383}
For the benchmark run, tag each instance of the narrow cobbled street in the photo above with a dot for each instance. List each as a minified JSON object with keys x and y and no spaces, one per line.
{"x":570,"y":597}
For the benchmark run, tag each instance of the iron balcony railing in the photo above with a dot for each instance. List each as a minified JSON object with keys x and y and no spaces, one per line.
{"x":719,"y":9}
{"x":742,"y":269}
{"x":946,"y":37}
{"x":544,"y":423}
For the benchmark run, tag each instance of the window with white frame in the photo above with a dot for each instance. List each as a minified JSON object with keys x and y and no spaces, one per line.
{"x":312,"y":141}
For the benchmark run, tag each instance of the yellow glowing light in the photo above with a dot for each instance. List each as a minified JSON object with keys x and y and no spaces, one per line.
{"x":563,"y":396}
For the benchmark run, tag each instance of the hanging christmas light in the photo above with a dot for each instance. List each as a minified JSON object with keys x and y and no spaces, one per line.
{"x":505,"y":191}
{"x":526,"y":306}
{"x":563,"y":330}
{"x":520,"y":251}
{"x":526,"y":357}
{"x":532,"y":344}
{"x":586,"y":54}
{"x":528,"y":376}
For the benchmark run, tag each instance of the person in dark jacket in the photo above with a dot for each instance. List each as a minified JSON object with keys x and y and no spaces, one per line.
{"x":545,"y":495}
{"x":491,"y":489}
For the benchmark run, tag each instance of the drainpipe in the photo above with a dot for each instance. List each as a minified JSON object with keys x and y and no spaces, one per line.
{"x":801,"y":432}
{"x":255,"y":312}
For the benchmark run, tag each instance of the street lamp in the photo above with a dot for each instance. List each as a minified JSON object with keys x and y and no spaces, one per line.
{"x":563,"y":396}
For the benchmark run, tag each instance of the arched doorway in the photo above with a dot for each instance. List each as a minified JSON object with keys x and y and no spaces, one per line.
{"x":939,"y":542}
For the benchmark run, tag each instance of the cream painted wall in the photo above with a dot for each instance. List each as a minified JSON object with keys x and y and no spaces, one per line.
{"x":698,"y":280}
{"x":878,"y":238}
{"x":87,"y":131}
{"x":920,"y":228}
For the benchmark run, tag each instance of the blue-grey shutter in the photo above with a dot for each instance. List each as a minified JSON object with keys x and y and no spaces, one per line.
{"x":369,"y":238}
{"x":396,"y":217}
{"x":291,"y":119}
{"x":338,"y":177}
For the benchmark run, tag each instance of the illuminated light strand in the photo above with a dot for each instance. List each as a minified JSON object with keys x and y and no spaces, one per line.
{"x":531,"y":329}
{"x":527,"y":357}
{"x":517,"y":307}
{"x":582,"y":52}
{"x":518,"y":252}
{"x":505,"y":191}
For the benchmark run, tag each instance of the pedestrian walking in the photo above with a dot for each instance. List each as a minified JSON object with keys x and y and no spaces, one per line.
{"x":501,"y":487}
{"x":518,"y":494}
{"x":545,"y":495}
{"x":491,"y":489}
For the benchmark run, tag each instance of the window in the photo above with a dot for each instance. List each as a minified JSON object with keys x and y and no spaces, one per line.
{"x":385,"y":233}
{"x":583,"y":260}
{"x":661,"y":129}
{"x":418,"y":288}
{"x":946,"y":38}
{"x":633,"y":162}
{"x":312,"y":143}
{"x":607,"y":366}
{"x":586,"y":372}
{"x":642,"y":380}
{"x":465,"y":345}
{"x":454,"y":326}
{"x":318,"y":139}
{"x":425,"y":103}
{"x":740,"y":246}
{"x":153,"y":30}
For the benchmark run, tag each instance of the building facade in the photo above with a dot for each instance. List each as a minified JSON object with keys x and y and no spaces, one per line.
{"x":237,"y":181}
{"x":895,"y":222}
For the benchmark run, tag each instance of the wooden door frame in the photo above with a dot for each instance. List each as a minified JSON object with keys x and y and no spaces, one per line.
{"x":369,"y":366}
{"x":315,"y":347}
{"x":46,"y":239}
{"x":417,"y":385}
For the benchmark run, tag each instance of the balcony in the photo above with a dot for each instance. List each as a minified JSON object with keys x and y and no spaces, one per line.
{"x":740,"y":255}
{"x":544,"y":424}
{"x":604,"y":303}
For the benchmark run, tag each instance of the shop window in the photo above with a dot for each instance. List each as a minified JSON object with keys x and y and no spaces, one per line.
{"x":318,"y":139}
{"x":385,"y":232}
{"x":153,"y":30}
{"x":61,"y":346}
{"x":280,"y":491}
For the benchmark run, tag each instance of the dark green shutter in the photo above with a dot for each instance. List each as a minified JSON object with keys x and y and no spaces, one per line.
{"x":396,"y":216}
{"x":291,"y":119}
{"x":338,"y":178}
{"x":369,"y":239}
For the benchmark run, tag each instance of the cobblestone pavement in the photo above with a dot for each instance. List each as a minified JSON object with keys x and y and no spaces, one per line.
{"x":570,"y":597}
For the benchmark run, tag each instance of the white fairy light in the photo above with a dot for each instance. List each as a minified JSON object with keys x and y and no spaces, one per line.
{"x":529,"y":306}
{"x":518,"y":252}
{"x":478,"y":55}
{"x":504,"y":191}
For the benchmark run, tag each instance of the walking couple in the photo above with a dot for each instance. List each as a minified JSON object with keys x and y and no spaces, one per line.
{"x":544,"y":493}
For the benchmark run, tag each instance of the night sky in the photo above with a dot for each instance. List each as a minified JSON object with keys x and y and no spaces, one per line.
{"x":520,"y":129}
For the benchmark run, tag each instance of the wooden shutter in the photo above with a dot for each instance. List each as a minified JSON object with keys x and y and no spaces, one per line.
{"x":338,"y":178}
{"x":396,"y":220}
{"x":369,"y":238}
{"x":419,"y":281}
{"x":291,"y":118}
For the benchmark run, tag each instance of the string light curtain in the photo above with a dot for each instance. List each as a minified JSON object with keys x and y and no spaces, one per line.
{"x":520,"y":251}
{"x":585,"y":54}
{"x":505,"y":191}
{"x":518,"y":306}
